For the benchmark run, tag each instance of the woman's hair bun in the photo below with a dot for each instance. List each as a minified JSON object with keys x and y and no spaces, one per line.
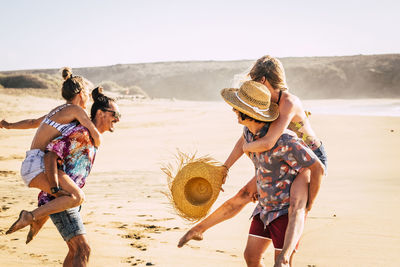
{"x":66,"y":73}
{"x":97,"y":94}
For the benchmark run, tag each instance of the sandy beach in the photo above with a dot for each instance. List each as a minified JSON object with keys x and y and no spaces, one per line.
{"x":130,"y":222}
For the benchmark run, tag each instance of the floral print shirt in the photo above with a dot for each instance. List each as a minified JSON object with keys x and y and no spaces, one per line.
{"x":76,"y":152}
{"x":276,"y":170}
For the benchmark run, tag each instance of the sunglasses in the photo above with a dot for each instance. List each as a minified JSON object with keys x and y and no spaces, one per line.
{"x":115,"y":114}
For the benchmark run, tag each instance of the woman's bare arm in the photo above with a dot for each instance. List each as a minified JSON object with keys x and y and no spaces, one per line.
{"x":276,"y":129}
{"x":24,"y":124}
{"x":83,"y":118}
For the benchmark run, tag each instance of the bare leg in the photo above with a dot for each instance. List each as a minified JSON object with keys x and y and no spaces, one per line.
{"x":255,"y":248}
{"x":68,"y":261}
{"x":297,"y":212}
{"x":59,"y":204}
{"x":35,"y":228}
{"x":226,"y":211}
{"x":79,"y":252}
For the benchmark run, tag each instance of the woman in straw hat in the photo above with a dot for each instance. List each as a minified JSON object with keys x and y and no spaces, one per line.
{"x":258,"y":111}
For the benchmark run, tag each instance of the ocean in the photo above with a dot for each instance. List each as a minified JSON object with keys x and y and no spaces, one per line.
{"x":363,"y":107}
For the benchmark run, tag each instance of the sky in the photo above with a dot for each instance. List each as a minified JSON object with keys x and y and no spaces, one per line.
{"x":84,"y":33}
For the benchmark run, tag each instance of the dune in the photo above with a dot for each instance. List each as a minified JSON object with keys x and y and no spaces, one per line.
{"x":130,"y":222}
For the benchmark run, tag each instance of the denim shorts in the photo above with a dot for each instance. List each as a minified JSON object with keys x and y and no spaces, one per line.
{"x":32,"y":165}
{"x":322,"y":156}
{"x":69,"y":223}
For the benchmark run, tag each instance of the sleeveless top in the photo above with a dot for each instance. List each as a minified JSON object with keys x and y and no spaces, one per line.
{"x":62,"y":128}
{"x":311,"y":141}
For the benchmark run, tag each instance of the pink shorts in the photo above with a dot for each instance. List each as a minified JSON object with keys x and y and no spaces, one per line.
{"x":274,"y":231}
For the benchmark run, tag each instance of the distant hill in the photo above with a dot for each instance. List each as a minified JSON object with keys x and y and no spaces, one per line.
{"x":373,"y":76}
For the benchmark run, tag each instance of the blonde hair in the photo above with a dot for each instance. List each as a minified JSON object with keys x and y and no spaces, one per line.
{"x":270,"y":68}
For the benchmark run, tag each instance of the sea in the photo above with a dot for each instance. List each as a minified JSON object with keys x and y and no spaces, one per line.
{"x":363,"y":107}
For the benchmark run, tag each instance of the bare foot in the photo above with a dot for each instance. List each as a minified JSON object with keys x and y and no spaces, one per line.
{"x":191,"y":234}
{"x":25,"y":218}
{"x":35,"y":228}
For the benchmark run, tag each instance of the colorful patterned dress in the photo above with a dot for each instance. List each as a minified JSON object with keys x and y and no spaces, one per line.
{"x":276,"y":170}
{"x":76,"y":152}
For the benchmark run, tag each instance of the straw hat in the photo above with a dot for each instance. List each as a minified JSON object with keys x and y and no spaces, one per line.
{"x":253,"y":99}
{"x":196,"y":185}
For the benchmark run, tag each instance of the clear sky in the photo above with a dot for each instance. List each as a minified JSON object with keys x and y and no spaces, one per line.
{"x":78,"y":33}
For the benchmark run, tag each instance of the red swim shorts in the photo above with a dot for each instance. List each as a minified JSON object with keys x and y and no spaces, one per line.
{"x":274,"y":231}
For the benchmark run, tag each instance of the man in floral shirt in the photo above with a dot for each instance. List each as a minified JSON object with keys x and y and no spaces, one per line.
{"x":276,"y":170}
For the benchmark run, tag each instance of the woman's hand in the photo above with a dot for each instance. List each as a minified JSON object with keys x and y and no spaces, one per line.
{"x":4,"y":124}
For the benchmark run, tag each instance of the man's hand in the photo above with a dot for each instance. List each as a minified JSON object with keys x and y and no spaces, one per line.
{"x":192,"y":234}
{"x":224,"y":175}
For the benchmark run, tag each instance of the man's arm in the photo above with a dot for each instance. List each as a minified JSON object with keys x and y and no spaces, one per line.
{"x":24,"y":124}
{"x":236,"y":153}
{"x":226,"y":211}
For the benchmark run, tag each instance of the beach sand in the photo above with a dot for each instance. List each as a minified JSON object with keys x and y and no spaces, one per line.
{"x":129,"y":221}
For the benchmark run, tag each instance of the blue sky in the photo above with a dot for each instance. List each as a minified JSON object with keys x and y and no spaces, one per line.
{"x":78,"y":33}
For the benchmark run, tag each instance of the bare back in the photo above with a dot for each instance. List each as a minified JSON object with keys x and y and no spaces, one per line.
{"x":61,"y":115}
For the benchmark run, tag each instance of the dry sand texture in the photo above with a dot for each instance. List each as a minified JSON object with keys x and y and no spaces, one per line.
{"x":129,"y":221}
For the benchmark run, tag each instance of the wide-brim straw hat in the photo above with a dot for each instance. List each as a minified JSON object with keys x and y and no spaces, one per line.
{"x":253,"y":99}
{"x":195,"y":186}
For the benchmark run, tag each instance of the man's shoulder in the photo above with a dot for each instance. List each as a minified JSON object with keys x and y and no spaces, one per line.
{"x":79,"y":134}
{"x":80,"y":129}
{"x":286,"y":138}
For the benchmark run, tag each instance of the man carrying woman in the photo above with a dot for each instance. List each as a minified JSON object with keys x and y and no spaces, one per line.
{"x":74,"y":152}
{"x":269,"y":72}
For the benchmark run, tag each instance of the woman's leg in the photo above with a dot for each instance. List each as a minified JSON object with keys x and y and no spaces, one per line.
{"x":297,"y":212}
{"x":255,"y":248}
{"x":34,"y":228}
{"x":59,"y":204}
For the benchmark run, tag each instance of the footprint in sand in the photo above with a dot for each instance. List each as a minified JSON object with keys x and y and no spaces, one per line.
{"x":7,"y":173}
{"x":108,"y":213}
{"x":139,"y":246}
{"x":4,"y":208}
